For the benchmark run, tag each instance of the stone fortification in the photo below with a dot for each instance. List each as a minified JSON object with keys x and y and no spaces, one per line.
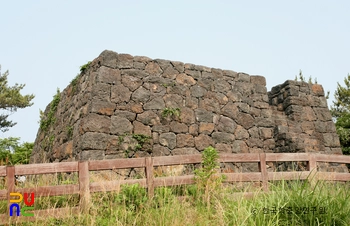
{"x":122,"y":106}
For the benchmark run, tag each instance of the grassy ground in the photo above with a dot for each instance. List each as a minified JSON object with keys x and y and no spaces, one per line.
{"x":289,"y":203}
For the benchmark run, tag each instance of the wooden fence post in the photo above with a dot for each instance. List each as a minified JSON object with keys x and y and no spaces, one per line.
{"x":262,"y":166}
{"x":84,"y":186}
{"x":149,"y":176}
{"x":312,"y":167}
{"x":10,"y":183}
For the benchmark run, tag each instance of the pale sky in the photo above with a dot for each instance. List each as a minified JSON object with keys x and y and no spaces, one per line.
{"x":43,"y":43}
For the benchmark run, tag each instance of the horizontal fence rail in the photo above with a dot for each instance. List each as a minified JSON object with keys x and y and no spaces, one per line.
{"x":84,"y":187}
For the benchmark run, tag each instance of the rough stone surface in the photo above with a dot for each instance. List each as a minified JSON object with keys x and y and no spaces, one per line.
{"x":120,"y":95}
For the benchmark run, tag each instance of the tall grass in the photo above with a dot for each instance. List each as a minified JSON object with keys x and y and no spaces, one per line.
{"x":288,"y":203}
{"x":208,"y":202}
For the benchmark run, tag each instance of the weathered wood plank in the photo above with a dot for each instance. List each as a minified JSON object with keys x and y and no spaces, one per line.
{"x":262,"y":167}
{"x":176,"y":160}
{"x":332,"y":158}
{"x":116,"y":164}
{"x":238,"y":177}
{"x":249,"y":157}
{"x":114,"y":185}
{"x":312,"y":163}
{"x":43,"y":168}
{"x":84,"y":186}
{"x":149,"y":176}
{"x":10,"y":183}
{"x":286,"y":157}
{"x":296,"y":175}
{"x":330,"y":176}
{"x":172,"y":181}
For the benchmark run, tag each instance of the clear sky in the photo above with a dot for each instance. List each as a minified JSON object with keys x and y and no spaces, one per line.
{"x":43,"y":43}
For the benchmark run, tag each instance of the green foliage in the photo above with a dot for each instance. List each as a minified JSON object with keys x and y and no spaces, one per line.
{"x":341,"y":104}
{"x":13,"y":153}
{"x":84,"y":67}
{"x":10,"y":100}
{"x":49,"y":119}
{"x":69,"y":132}
{"x":341,"y":113}
{"x":302,"y":78}
{"x":141,"y":138}
{"x":133,"y":196}
{"x":74,"y":83}
{"x":343,"y":130}
{"x":169,"y":85}
{"x":208,"y":184}
{"x":170,"y":112}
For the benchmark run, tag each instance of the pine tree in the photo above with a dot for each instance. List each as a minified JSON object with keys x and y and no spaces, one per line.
{"x":341,"y":113}
{"x":10,"y":100}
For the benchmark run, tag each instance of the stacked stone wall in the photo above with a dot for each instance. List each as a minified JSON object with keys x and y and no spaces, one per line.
{"x":124,"y":107}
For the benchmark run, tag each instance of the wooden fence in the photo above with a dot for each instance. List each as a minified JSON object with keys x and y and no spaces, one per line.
{"x":85,"y":187}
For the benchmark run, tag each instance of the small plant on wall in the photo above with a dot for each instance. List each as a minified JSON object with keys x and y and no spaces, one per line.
{"x":84,"y":67}
{"x":171,"y":112}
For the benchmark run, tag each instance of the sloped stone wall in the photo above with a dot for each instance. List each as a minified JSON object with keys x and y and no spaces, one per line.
{"x":124,"y":106}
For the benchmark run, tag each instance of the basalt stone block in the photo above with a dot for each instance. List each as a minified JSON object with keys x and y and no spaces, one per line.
{"x":317,"y":90}
{"x":109,"y":58}
{"x":198,"y":91}
{"x":184,"y":140}
{"x":187,"y":115}
{"x":223,"y":148}
{"x":206,"y":128}
{"x":179,"y":66}
{"x":140,"y":128}
{"x":226,"y":124}
{"x":210,"y":105}
{"x":108,"y":75}
{"x":148,"y":118}
{"x":141,"y":95}
{"x":178,"y":127}
{"x":155,"y":104}
{"x":239,"y":146}
{"x":203,"y":141}
{"x":194,"y":74}
{"x":120,"y":126}
{"x":125,"y":114}
{"x":131,"y":82}
{"x":245,"y":120}
{"x":95,"y":123}
{"x":152,"y":68}
{"x":125,"y":61}
{"x":186,"y":80}
{"x":159,"y":150}
{"x":119,"y":94}
{"x":203,"y":115}
{"x":323,"y":114}
{"x":168,"y":140}
{"x":257,"y":79}
{"x":91,"y":140}
{"x":173,"y":100}
{"x":102,"y":107}
{"x":221,"y":137}
{"x":230,"y":110}
{"x":241,"y":133}
{"x":184,"y":151}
